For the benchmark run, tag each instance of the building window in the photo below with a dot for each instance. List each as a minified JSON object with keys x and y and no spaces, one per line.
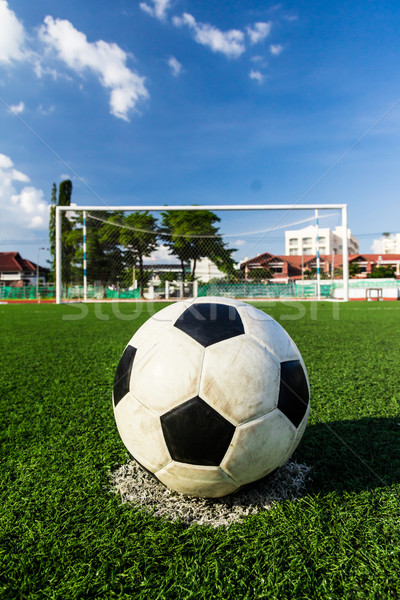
{"x":322,"y":250}
{"x":276,"y":267}
{"x":307,"y":240}
{"x":322,"y":240}
{"x":293,"y":241}
{"x":293,"y":250}
{"x":307,"y":250}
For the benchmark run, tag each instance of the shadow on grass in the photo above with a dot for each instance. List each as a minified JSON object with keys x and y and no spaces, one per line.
{"x":351,"y":455}
{"x":343,"y":455}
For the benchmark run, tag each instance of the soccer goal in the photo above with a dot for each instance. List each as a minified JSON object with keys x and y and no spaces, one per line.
{"x":375,"y":293}
{"x":173,"y":252}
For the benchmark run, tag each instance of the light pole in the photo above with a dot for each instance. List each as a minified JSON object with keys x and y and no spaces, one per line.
{"x":37,"y":273}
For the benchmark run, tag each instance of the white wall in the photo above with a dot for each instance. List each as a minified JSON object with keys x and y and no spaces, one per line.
{"x":206,"y":270}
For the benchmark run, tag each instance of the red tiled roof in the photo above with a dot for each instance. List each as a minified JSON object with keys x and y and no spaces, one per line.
{"x":29,"y":265}
{"x":376,"y":257}
{"x":12,"y":262}
{"x":297,"y":261}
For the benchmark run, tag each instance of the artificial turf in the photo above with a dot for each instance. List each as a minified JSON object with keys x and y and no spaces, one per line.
{"x":65,"y":535}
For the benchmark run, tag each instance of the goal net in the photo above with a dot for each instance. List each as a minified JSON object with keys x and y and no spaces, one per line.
{"x":173,"y":252}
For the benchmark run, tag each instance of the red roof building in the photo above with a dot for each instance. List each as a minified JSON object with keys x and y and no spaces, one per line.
{"x":17,"y":271}
{"x":285,"y":267}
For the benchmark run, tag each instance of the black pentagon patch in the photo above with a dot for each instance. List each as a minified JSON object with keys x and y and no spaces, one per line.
{"x":210,"y":323}
{"x":196,"y":434}
{"x":293,"y":391}
{"x":123,"y":374}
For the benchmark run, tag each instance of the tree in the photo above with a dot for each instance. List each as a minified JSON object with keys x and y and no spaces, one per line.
{"x":67,"y":226}
{"x":380,"y":272}
{"x":259,"y":274}
{"x":312,"y":274}
{"x":65,"y":192}
{"x":139,"y":238}
{"x":191,"y":235}
{"x":106,"y":251}
{"x":103,"y":249}
{"x":52,"y":230}
{"x":67,"y":245}
{"x":354,"y":269}
{"x":167,"y":276}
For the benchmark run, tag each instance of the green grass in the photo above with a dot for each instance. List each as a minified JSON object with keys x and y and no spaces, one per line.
{"x":64,"y":535}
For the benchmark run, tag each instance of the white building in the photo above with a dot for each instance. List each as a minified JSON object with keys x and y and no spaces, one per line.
{"x":206,"y":270}
{"x":304,"y":241}
{"x":387,"y":244}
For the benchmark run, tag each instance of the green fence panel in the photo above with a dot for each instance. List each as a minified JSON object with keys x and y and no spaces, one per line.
{"x":123,"y":294}
{"x":264,"y":291}
{"x":27,"y":292}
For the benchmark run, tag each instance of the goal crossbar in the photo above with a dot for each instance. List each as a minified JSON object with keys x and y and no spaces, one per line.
{"x":218,"y":207}
{"x":213,"y":207}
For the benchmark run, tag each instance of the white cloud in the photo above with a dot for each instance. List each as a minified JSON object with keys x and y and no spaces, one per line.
{"x":107,"y":61}
{"x":21,"y":209}
{"x":41,"y":69}
{"x":5,"y":162}
{"x":17,"y":108}
{"x":230,"y":43}
{"x":31,"y":202}
{"x":377,"y":246}
{"x":258,"y":32}
{"x":276,"y":49}
{"x":8,"y":174}
{"x":12,"y":35}
{"x":162,"y":255}
{"x":175,"y":66}
{"x":18,"y":176}
{"x":158,"y":8}
{"x":239,"y":243}
{"x":256,"y":75}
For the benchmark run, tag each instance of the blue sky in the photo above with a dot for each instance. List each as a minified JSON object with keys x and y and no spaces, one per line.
{"x":182,"y":101}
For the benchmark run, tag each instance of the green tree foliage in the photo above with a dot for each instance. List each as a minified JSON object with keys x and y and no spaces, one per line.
{"x":192,"y":235}
{"x":259,"y":275}
{"x":52,"y":231}
{"x":103,"y":250}
{"x":381,"y":272}
{"x":312,"y":274}
{"x":354,"y":269}
{"x":338,"y":272}
{"x":167,"y":276}
{"x":139,"y":239}
{"x":67,"y":226}
{"x":115,"y":245}
{"x":65,"y":193}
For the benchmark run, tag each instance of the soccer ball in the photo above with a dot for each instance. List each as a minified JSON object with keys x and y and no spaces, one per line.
{"x":209,"y":395}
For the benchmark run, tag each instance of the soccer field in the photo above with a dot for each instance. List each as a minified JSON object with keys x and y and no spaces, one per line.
{"x":65,"y":534}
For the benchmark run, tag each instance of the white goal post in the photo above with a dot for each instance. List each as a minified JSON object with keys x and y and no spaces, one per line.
{"x":219,"y":208}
